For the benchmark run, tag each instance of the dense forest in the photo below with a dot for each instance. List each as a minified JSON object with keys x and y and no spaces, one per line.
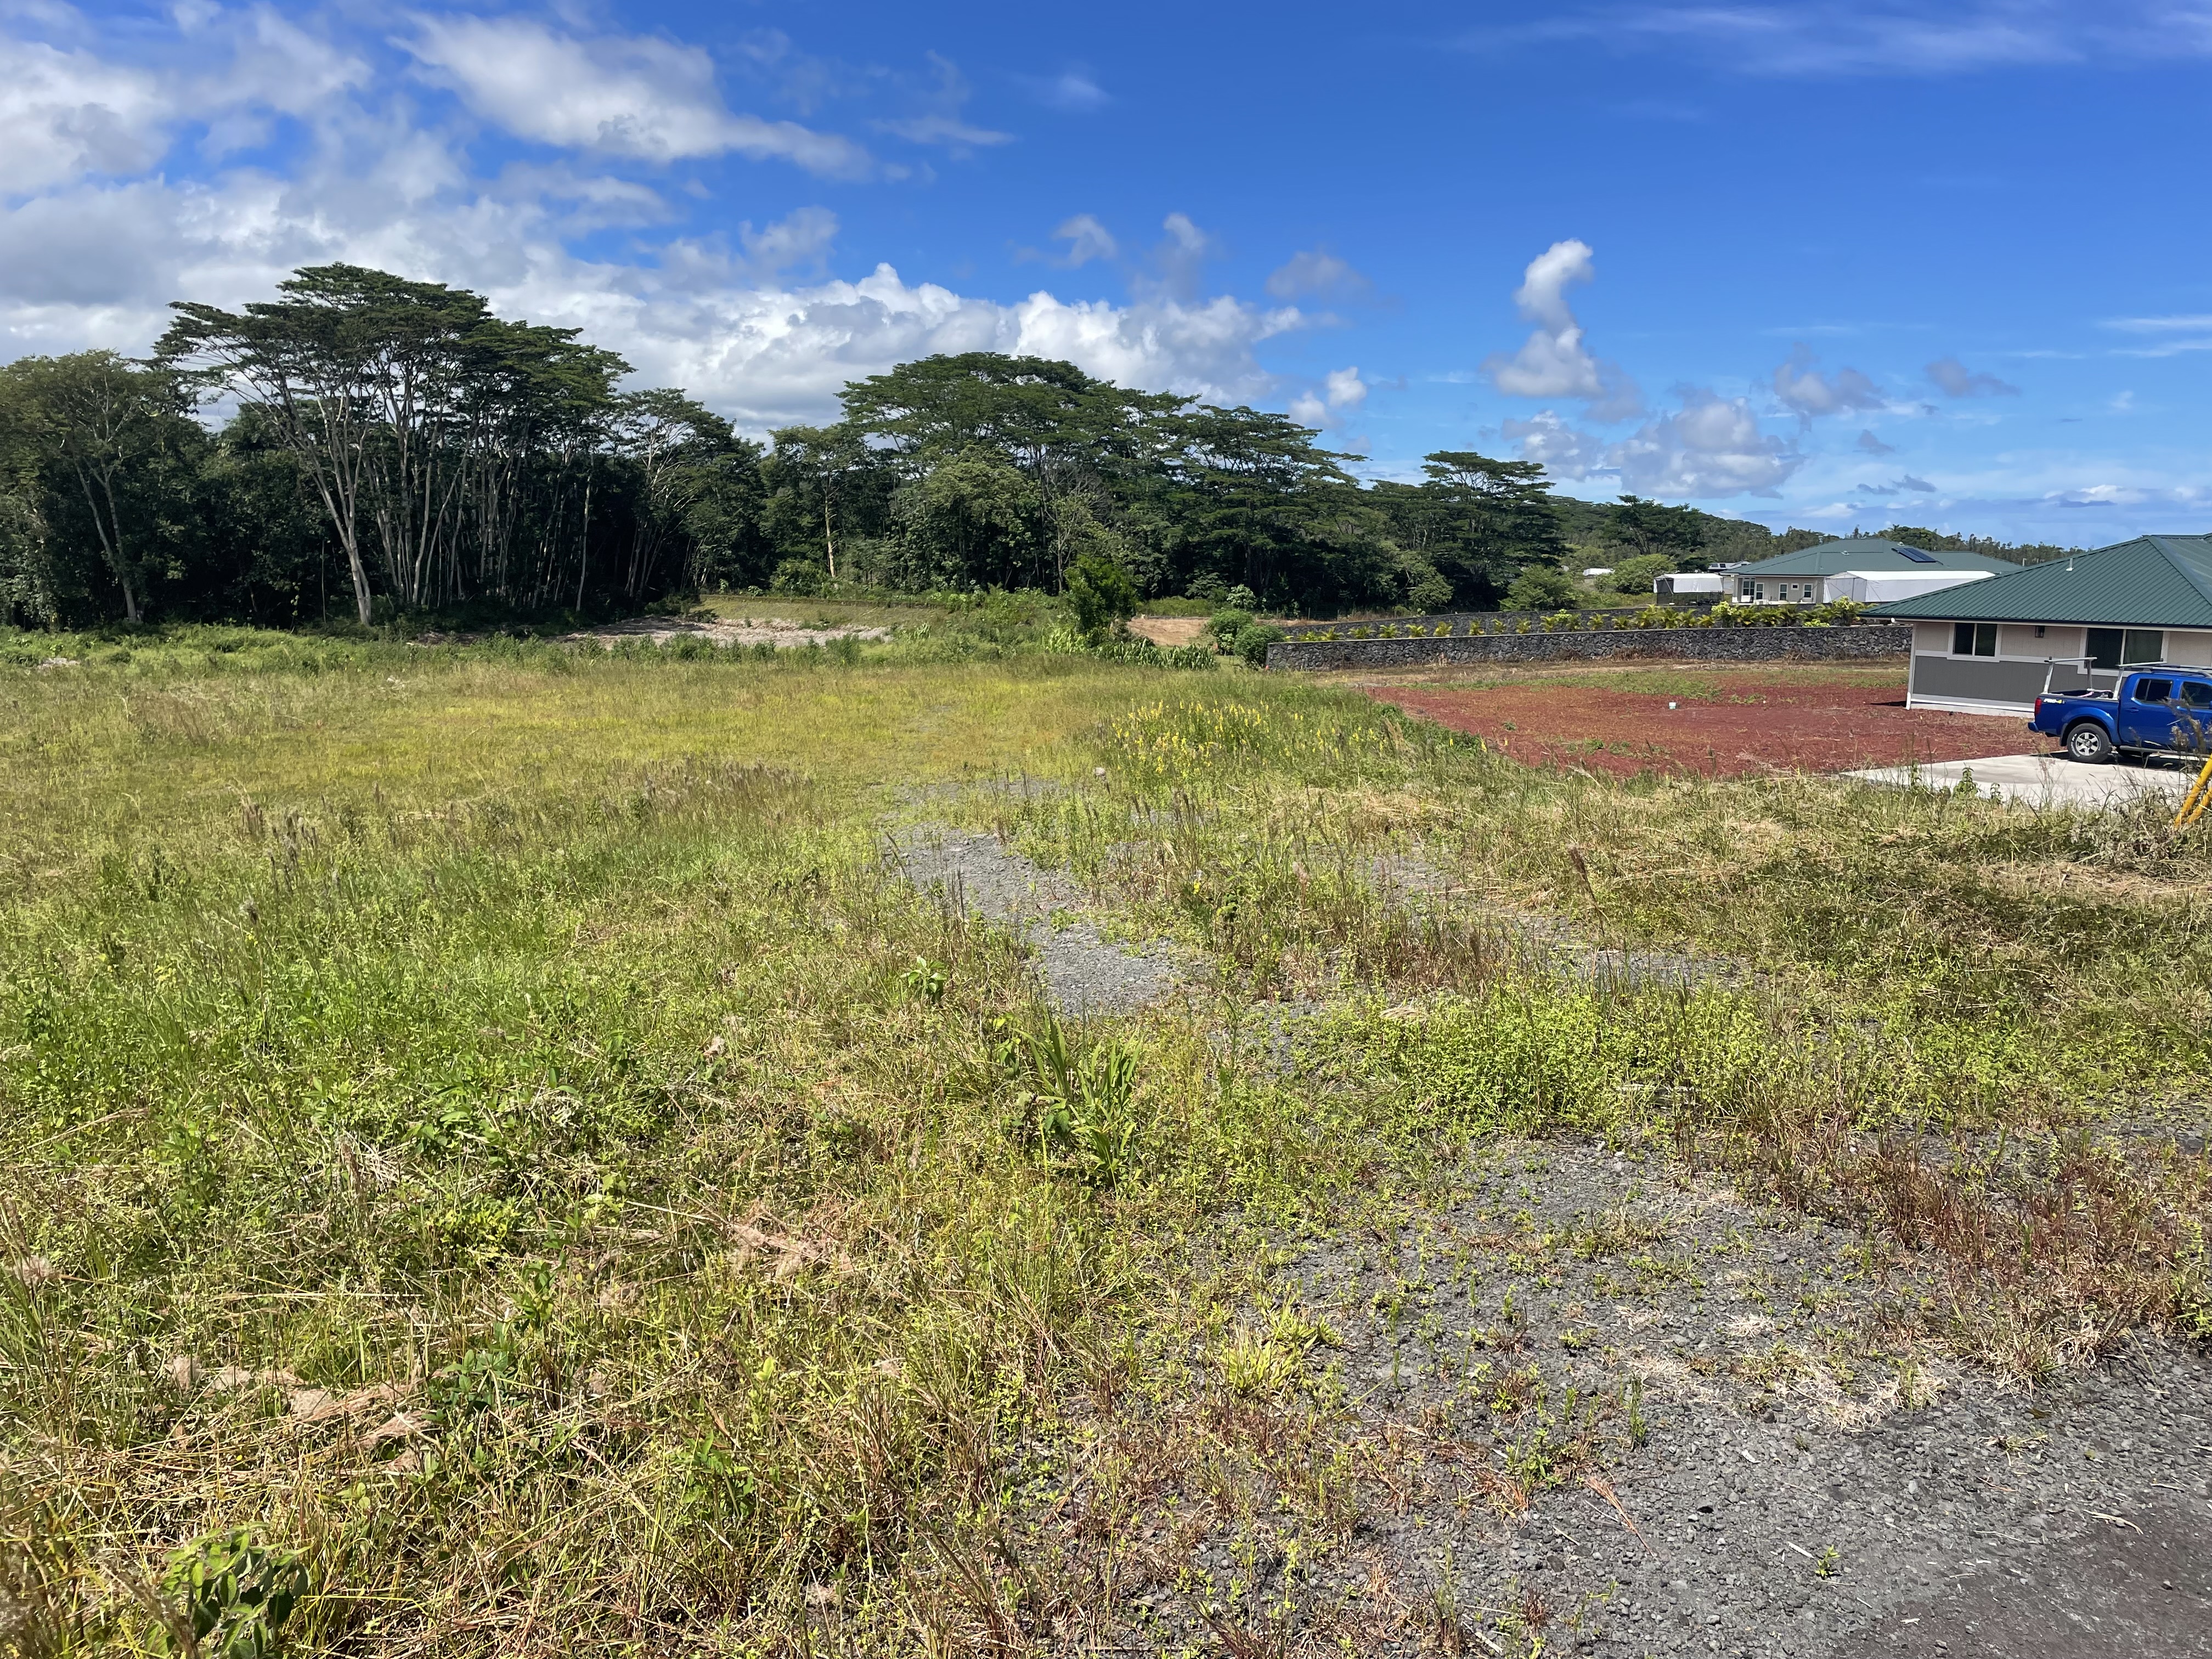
{"x":362,"y":446}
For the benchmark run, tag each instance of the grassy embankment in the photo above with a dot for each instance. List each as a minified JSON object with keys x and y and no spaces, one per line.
{"x":475,"y":1145}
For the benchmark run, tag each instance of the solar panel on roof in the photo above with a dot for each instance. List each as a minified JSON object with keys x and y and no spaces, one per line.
{"x":1915,"y":556}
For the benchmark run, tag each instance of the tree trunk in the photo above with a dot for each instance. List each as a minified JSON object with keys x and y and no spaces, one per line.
{"x":584,"y":539}
{"x":110,"y":543}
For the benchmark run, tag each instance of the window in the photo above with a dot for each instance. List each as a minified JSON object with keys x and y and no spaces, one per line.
{"x":2196,"y":693}
{"x":2143,"y":645}
{"x":2104,"y":649}
{"x":1915,"y":556}
{"x":1973,"y":638}
{"x":2040,"y":630}
{"x":2159,"y":691}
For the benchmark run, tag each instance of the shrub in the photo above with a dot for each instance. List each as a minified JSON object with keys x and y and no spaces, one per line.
{"x":1542,"y":587}
{"x":1100,"y":593}
{"x":1429,"y":592}
{"x":798,"y":577}
{"x":1252,"y":641}
{"x":1225,"y":623}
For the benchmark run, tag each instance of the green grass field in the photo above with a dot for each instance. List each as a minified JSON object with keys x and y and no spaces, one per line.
{"x":491,"y":1161}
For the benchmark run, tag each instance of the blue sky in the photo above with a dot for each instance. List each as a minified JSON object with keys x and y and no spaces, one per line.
{"x":1810,"y":264}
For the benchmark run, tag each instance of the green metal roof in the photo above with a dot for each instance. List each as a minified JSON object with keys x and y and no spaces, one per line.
{"x":1866,"y":553}
{"x":2152,"y":581}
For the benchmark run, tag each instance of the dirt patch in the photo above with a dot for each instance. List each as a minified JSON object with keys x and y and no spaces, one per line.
{"x":1168,"y":632}
{"x":763,"y":630}
{"x":1731,"y":725}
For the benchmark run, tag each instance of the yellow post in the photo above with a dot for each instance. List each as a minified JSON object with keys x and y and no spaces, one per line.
{"x":2194,"y":803}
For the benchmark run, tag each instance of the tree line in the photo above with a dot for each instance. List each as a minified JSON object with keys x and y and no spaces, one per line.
{"x":363,"y":445}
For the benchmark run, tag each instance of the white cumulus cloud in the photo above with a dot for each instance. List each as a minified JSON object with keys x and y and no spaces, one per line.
{"x":1341,"y":395}
{"x":1318,"y":272}
{"x":1553,"y":362}
{"x":632,"y":95}
{"x":1712,"y":446}
{"x":803,"y":238}
{"x":68,"y":113}
{"x":1345,"y":390}
{"x":1560,"y":448}
{"x":1086,"y":238}
{"x":1806,"y":392}
{"x":1071,"y":90}
{"x":761,"y":332}
{"x":1953,"y":380}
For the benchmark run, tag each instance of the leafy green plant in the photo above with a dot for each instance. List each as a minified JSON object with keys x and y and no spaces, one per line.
{"x":798,"y":577}
{"x":1252,"y":641}
{"x":1100,"y":594}
{"x":233,"y":1593}
{"x":1084,"y":1104}
{"x":1225,"y":624}
{"x":925,"y":982}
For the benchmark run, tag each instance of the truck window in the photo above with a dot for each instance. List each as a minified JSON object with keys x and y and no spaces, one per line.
{"x":2196,"y":693}
{"x":2153,"y":691}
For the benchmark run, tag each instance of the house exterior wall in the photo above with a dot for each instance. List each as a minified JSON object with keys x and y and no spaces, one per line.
{"x":2023,"y":666}
{"x":2190,"y":646}
{"x":1975,"y":685}
{"x":1780,"y":590}
{"x":2066,"y":644}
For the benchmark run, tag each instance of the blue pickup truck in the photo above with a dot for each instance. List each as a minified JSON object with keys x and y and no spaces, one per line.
{"x":2157,"y":709}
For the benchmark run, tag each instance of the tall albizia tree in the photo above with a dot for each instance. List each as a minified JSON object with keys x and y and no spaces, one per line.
{"x":104,"y":422}
{"x":453,"y":452}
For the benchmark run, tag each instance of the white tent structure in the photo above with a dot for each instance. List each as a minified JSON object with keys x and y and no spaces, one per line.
{"x":1881,"y":587}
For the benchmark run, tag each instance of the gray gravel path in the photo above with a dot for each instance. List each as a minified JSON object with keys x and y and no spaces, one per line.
{"x":1081,"y":971}
{"x":1786,"y":1418}
{"x":1811,"y":1482}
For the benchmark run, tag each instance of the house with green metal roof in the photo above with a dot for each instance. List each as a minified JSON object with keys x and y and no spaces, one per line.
{"x":2070,"y":624}
{"x":1869,"y":568}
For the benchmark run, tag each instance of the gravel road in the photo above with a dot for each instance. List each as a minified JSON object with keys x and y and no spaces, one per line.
{"x":1081,"y":971}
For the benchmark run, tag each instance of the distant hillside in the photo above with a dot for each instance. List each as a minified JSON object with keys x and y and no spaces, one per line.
{"x":1590,"y":525}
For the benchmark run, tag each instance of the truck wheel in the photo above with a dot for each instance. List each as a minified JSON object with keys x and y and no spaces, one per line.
{"x":2087,"y":741}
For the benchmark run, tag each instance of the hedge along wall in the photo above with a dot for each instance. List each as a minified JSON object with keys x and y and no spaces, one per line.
{"x":1677,"y":644}
{"x":1493,"y":621}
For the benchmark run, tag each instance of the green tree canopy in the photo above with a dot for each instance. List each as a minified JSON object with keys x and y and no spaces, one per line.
{"x":1650,"y":528}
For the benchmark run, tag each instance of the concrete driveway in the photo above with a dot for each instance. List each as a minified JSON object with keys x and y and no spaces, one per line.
{"x":2042,"y":779}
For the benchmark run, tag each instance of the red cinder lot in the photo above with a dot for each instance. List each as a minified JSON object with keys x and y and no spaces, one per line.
{"x":1725,"y":723}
